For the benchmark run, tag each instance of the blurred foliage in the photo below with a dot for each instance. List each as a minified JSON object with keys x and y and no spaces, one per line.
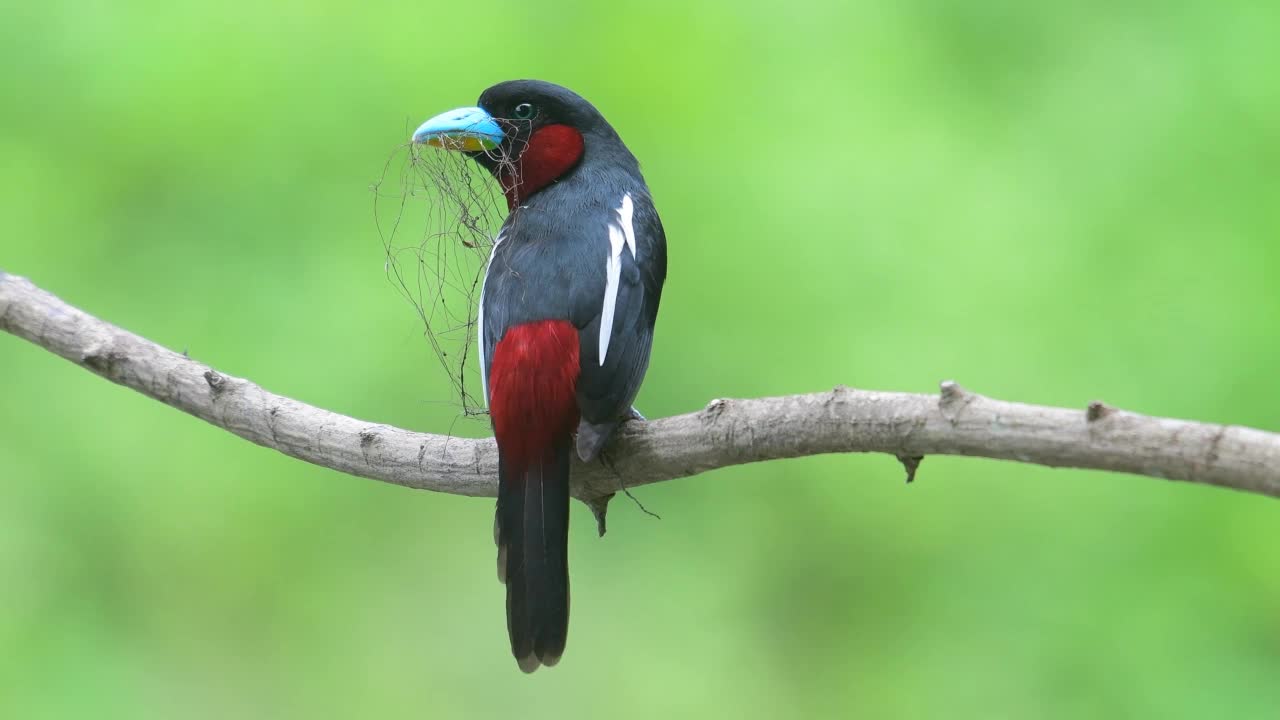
{"x":1047,"y":202}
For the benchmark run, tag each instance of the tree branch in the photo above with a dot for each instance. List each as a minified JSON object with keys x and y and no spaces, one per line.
{"x":724,"y":433}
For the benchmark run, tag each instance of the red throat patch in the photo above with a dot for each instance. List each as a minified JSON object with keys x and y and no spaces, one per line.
{"x":552,"y":151}
{"x":532,"y":382}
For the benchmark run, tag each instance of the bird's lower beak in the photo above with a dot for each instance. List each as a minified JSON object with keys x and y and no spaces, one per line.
{"x":468,"y":129}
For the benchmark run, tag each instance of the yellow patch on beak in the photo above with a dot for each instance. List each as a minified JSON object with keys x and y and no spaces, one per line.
{"x":464,"y":142}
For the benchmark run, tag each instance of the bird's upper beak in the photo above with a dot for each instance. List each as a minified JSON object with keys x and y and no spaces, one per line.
{"x":469,"y":129}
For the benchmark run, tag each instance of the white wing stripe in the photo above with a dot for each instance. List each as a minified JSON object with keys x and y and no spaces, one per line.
{"x":613,"y":273}
{"x":624,"y":216}
{"x":484,"y":374}
{"x":619,"y":235}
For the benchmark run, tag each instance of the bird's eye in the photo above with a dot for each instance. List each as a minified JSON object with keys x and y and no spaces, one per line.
{"x":524,"y":111}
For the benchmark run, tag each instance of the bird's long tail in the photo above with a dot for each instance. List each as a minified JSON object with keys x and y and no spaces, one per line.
{"x":534,"y":410}
{"x":532,"y":535}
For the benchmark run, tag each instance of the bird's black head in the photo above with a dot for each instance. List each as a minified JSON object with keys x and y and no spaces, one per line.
{"x":528,"y":133}
{"x":523,"y":107}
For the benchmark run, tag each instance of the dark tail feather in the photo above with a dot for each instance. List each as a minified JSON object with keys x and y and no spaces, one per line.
{"x":533,"y":535}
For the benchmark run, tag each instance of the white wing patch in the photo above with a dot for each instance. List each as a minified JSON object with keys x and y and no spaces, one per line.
{"x":484,"y":373}
{"x":620,"y":234}
{"x":624,"y":219}
{"x":613,"y":271}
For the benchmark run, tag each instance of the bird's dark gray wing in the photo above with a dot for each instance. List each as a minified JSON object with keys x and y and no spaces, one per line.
{"x":609,"y":381}
{"x":543,"y":271}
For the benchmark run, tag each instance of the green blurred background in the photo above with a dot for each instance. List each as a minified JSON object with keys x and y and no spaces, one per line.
{"x":1046,"y":202}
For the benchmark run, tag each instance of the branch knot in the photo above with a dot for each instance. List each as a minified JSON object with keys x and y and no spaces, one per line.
{"x":953,"y":399}
{"x":217,"y":384}
{"x":1098,"y":410}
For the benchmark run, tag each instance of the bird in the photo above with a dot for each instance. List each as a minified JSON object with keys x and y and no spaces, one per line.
{"x":566,"y":321}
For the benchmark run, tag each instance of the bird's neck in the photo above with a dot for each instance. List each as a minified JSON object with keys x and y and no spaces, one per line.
{"x":553,"y":150}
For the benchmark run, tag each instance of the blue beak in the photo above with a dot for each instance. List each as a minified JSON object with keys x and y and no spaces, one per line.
{"x":469,"y":129}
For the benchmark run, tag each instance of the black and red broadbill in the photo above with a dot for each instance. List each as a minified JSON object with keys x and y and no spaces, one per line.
{"x":566,"y":321}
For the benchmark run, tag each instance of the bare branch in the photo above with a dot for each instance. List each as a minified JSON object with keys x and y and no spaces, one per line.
{"x":726,"y":432}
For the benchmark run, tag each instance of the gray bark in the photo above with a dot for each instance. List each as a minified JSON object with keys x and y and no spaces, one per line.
{"x":725,"y":432}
